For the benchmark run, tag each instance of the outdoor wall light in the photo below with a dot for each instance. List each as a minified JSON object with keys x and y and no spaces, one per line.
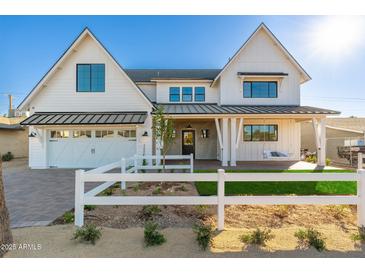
{"x":189,"y":126}
{"x":205,"y":133}
{"x":32,"y":134}
{"x":173,"y":133}
{"x":144,"y":138}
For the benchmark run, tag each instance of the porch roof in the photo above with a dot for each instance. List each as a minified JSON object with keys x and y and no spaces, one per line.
{"x":192,"y":108}
{"x":85,"y":118}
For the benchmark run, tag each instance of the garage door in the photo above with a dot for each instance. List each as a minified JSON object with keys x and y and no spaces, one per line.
{"x":89,"y":148}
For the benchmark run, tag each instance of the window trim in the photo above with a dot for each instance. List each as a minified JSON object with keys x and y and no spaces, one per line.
{"x":195,"y":100}
{"x":276,"y":126}
{"x":251,"y":97}
{"x":77,"y":76}
{"x":191,"y":94}
{"x":174,"y":95}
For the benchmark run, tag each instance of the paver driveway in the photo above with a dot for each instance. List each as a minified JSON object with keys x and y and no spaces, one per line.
{"x":37,"y":197}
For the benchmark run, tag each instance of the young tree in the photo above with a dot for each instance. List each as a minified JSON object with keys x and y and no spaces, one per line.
{"x":5,"y":232}
{"x":163,"y":132}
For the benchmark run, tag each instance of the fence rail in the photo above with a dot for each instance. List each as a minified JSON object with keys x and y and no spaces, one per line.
{"x":220,"y":199}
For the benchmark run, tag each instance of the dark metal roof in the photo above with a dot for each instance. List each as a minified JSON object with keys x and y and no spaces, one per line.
{"x":146,"y":75}
{"x":263,"y":73}
{"x":85,"y":118}
{"x":241,"y":109}
{"x":12,"y":126}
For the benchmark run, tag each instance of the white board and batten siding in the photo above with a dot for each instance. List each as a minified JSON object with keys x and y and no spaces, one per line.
{"x":60,"y":94}
{"x":288,"y":140}
{"x":260,"y":55}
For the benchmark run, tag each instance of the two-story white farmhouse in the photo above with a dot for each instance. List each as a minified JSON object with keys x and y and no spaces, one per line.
{"x":88,"y":111}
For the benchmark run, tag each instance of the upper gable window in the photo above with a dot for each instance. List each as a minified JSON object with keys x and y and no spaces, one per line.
{"x":253,"y":89}
{"x":90,"y":77}
{"x":187,"y":94}
{"x":174,"y":94}
{"x":199,"y":94}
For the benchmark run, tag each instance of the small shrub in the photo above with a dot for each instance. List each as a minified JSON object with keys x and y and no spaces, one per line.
{"x":328,"y":161}
{"x":201,"y":210}
{"x":257,"y":237}
{"x":136,"y":188}
{"x":360,"y":235}
{"x":7,"y":157}
{"x":68,"y":217}
{"x":150,"y":211}
{"x":88,"y":233}
{"x":311,"y":159}
{"x":310,"y":237}
{"x":107,"y":192}
{"x":144,"y":163}
{"x":157,"y":190}
{"x":204,"y":234}
{"x":152,"y":236}
{"x":89,"y":207}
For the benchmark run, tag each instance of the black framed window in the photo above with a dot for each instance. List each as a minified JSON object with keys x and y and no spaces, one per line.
{"x":260,"y":89}
{"x":187,"y":94}
{"x":199,"y":94}
{"x":174,"y":94}
{"x":90,"y":77}
{"x":260,"y":133}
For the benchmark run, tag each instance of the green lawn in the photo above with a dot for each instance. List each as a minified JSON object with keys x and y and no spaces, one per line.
{"x":280,"y":188}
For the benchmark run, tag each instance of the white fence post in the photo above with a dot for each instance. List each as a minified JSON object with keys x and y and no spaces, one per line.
{"x":79,"y":197}
{"x":135,"y":164}
{"x":191,"y":163}
{"x":220,"y":192}
{"x":123,"y":170}
{"x":361,"y":198}
{"x":359,"y":160}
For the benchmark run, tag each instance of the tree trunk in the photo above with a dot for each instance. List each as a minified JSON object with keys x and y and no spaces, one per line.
{"x":5,"y":232}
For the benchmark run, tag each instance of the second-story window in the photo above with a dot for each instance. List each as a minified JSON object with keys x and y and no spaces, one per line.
{"x":174,"y":94}
{"x":187,"y":94}
{"x":199,"y":94}
{"x":260,"y":89}
{"x":90,"y":77}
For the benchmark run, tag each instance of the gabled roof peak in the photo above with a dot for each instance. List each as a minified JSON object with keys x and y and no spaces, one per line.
{"x":264,"y":27}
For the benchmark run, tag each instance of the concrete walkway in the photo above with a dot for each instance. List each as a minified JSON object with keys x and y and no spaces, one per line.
{"x":37,"y":197}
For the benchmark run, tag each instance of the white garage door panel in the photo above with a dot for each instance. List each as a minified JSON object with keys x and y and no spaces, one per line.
{"x":89,"y":152}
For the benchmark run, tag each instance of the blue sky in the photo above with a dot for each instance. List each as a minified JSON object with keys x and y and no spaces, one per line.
{"x":336,"y":61}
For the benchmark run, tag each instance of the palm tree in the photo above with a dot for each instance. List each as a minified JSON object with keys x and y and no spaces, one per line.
{"x":5,"y":232}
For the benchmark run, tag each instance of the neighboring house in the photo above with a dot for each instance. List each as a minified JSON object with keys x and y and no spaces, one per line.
{"x":13,"y":137}
{"x":88,"y":111}
{"x":339,"y":132}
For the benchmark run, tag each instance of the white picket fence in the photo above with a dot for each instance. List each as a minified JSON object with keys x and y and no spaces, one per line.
{"x":98,"y":175}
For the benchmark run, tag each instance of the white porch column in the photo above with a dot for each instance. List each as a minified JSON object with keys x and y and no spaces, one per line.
{"x":233,"y":141}
{"x":322,"y":140}
{"x":225,"y":141}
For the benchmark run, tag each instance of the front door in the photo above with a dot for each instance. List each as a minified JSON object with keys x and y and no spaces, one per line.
{"x":188,"y":142}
